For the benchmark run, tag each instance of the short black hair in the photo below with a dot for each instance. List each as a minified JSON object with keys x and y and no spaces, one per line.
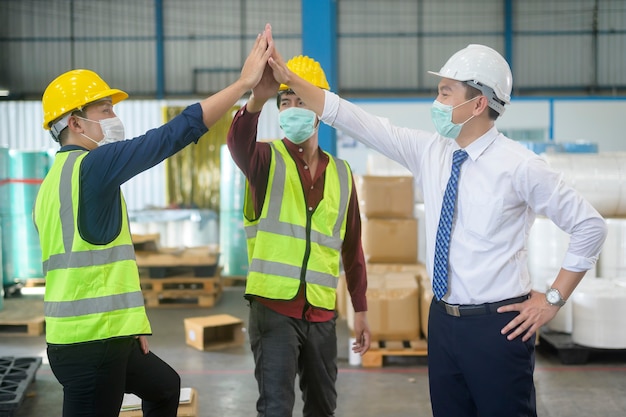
{"x":280,"y":94}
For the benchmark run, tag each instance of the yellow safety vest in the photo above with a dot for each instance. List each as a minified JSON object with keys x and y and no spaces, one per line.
{"x":92,"y":291}
{"x":288,"y":243}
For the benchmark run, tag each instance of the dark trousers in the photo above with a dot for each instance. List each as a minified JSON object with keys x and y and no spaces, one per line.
{"x":96,"y":375}
{"x":284,"y":347}
{"x":475,"y":371}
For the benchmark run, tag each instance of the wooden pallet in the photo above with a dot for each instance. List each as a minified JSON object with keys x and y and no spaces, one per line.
{"x":200,"y":262}
{"x":22,"y":317}
{"x":148,"y":242}
{"x":34,"y":282}
{"x":181,"y":291}
{"x":178,"y":299}
{"x":374,"y":357}
{"x":234,"y":281}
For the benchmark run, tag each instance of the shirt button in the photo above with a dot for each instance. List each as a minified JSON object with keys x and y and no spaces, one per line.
{"x":310,"y":208}
{"x":306,"y":167}
{"x":311,"y":187}
{"x":300,"y":150}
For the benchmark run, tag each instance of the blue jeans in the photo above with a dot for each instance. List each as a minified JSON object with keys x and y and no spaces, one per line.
{"x":96,"y":375}
{"x":284,"y":347}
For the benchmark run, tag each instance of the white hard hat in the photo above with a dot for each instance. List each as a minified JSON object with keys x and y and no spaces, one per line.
{"x":480,"y":66}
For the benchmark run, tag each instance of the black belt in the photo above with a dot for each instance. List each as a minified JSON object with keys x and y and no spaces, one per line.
{"x":464,"y":310}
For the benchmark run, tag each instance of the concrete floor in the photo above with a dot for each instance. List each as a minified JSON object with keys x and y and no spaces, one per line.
{"x":226,"y":385}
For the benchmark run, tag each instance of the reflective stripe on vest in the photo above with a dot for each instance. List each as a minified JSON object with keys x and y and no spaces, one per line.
{"x":270,"y":222}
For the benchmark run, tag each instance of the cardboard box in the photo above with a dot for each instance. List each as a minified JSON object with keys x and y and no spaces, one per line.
{"x":385,"y":197}
{"x":392,"y":300}
{"x":185,"y":409}
{"x":389,"y":240}
{"x":214,"y":332}
{"x":418,"y":269}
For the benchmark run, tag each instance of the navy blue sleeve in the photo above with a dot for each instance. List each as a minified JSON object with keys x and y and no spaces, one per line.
{"x":106,"y":168}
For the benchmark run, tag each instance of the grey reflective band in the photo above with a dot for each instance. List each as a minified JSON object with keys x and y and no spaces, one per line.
{"x":275,"y":268}
{"x":97,"y":305}
{"x":89,"y":258}
{"x":271,"y":223}
{"x":66,"y":211}
{"x":290,"y":271}
{"x":70,"y":259}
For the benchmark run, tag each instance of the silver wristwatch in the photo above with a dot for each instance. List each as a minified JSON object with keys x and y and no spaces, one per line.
{"x":554,"y":298}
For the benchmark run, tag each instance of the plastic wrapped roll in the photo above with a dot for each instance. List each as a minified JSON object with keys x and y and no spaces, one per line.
{"x":612,"y":262}
{"x":21,"y":253}
{"x":4,"y":163}
{"x":599,"y":178}
{"x":599,"y":313}
{"x":233,"y":245}
{"x":547,"y":245}
{"x":177,"y":227}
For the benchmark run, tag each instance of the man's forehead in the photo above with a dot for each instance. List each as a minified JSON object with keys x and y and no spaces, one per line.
{"x":99,"y":104}
{"x":448,"y":84}
{"x":288,"y":95}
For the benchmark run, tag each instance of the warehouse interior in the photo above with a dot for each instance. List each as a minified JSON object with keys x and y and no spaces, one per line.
{"x":185,"y":214}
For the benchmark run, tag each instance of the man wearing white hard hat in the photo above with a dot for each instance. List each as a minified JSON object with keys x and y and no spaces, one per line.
{"x":482,"y":192}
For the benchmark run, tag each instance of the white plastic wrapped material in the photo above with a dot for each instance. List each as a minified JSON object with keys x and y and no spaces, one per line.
{"x":354,"y":359}
{"x":612,"y":261}
{"x":600,"y":178}
{"x":379,"y":164}
{"x":177,"y":227}
{"x":599,"y":314}
{"x":547,"y":245}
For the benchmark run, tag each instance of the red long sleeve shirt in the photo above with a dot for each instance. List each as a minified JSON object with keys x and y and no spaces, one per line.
{"x":253,"y":158}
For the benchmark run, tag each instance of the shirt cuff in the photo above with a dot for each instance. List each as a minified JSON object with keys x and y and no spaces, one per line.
{"x":331,"y":106}
{"x":577,"y":263}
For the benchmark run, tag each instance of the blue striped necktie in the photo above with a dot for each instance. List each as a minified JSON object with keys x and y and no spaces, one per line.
{"x":440,"y":278}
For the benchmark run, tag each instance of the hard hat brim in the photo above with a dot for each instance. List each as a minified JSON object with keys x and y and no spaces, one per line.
{"x":115,"y":94}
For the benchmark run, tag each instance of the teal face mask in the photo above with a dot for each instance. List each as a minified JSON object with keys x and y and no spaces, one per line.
{"x":441,"y":115}
{"x":297,"y":123}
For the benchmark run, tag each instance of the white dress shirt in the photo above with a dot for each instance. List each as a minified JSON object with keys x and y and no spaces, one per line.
{"x":502,"y":187}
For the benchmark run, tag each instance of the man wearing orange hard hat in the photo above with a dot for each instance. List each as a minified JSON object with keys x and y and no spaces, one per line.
{"x":96,"y":323}
{"x":302,"y":219}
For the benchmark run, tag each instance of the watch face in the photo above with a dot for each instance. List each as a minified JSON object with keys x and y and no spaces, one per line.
{"x":553,"y":297}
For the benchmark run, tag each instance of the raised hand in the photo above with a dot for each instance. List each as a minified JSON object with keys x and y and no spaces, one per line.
{"x":267,"y":87}
{"x":255,"y":64}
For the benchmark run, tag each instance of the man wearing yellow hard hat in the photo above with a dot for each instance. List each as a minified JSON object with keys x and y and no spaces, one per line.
{"x":96,"y":323}
{"x":301,"y":219}
{"x":481,"y":192}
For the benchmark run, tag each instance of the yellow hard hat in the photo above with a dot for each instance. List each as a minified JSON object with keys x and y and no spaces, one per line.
{"x":73,"y":90}
{"x":308,"y":69}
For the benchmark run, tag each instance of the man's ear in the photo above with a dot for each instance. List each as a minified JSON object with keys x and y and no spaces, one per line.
{"x":481,"y":105}
{"x":74,"y":124}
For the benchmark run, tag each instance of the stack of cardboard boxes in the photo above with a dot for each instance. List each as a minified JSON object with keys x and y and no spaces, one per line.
{"x":389,"y":235}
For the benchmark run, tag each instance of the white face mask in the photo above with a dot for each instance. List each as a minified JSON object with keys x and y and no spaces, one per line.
{"x":112,"y":129}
